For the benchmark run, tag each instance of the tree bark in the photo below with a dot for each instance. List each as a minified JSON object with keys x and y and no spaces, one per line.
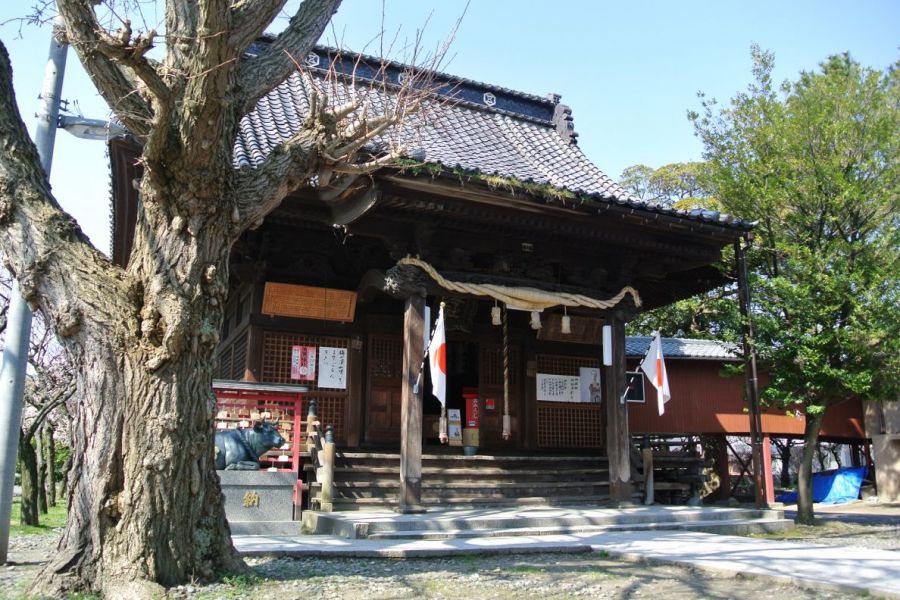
{"x":805,"y":513}
{"x":41,"y":482}
{"x":784,"y":452}
{"x":50,"y":446}
{"x":144,"y":502}
{"x":29,"y":508}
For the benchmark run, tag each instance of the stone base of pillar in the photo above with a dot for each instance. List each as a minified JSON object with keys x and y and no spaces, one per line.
{"x":410,"y":509}
{"x":621,"y":492}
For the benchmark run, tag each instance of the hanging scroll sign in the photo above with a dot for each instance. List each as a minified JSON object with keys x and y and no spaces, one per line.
{"x":558,"y":388}
{"x":332,"y":368}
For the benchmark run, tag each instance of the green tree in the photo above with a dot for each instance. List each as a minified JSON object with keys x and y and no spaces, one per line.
{"x":682,"y":185}
{"x":713,"y":315}
{"x":815,"y":162}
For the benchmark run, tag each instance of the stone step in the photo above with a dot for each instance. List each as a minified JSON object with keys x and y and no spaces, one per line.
{"x":469,"y":471}
{"x":720,"y":526}
{"x":537,"y":519}
{"x":629,"y":517}
{"x":473,"y":502}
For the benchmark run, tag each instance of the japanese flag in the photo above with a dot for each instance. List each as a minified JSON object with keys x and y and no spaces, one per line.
{"x":655,"y":367}
{"x":437,"y":359}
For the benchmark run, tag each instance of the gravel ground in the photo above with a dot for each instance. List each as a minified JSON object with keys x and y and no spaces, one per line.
{"x":836,"y":533}
{"x":552,"y":576}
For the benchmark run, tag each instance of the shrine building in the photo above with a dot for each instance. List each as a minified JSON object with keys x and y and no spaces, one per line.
{"x":539,"y":258}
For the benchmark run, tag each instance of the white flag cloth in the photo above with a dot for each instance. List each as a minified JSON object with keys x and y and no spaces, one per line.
{"x":654,"y":365}
{"x":437,"y":360}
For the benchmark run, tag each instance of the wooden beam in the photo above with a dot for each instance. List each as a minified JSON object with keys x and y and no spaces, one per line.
{"x":723,"y":468}
{"x":411,"y":406}
{"x":618,"y":437}
{"x":767,"y":469}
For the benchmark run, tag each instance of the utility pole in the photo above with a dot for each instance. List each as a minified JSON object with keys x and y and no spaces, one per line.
{"x":752,"y":383}
{"x":18,"y":328}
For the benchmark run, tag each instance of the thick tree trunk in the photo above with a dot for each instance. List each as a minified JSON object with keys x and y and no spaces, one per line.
{"x":28,"y":461}
{"x":805,"y":514}
{"x":784,"y":451}
{"x":145,"y":505}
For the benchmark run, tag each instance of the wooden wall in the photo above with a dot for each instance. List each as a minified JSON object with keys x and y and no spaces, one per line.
{"x":704,"y":402}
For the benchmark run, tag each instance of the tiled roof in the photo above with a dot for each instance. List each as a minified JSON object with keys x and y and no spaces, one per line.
{"x":637,"y":346}
{"x":489,"y":130}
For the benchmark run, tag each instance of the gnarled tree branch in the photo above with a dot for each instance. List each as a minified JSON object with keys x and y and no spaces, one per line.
{"x":256,"y":76}
{"x":54,"y":262}
{"x":260,"y":190}
{"x":105,"y":61}
{"x":249,"y":18}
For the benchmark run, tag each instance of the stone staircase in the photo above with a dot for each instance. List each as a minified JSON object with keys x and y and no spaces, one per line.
{"x":542,"y":521}
{"x":371,"y":480}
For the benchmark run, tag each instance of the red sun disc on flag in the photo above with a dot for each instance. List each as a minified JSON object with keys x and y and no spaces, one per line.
{"x":442,"y":357}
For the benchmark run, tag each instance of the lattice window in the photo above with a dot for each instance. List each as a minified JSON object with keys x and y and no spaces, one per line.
{"x":490,"y":371}
{"x":233,"y":359}
{"x":330,"y":409}
{"x":564,"y":365}
{"x":276,"y":368}
{"x":239,"y":358}
{"x":386,"y":357}
{"x":568,"y":425}
{"x":277,"y":348}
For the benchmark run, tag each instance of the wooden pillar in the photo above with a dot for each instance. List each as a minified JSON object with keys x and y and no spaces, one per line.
{"x":411,"y":406}
{"x":355,"y":396}
{"x":253,"y":365}
{"x":767,"y":468}
{"x":618,"y":438}
{"x":722,"y":467}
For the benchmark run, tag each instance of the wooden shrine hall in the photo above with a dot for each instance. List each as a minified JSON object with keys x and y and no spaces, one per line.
{"x":498,"y":214}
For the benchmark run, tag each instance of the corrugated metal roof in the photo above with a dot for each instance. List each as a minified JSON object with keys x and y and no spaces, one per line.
{"x":637,"y":346}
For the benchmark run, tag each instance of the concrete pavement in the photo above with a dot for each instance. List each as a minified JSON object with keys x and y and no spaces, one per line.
{"x":809,"y":565}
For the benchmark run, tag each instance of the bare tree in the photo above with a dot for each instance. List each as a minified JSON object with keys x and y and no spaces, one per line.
{"x":144,"y":500}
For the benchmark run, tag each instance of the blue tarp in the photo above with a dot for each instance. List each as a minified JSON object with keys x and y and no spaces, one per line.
{"x":832,"y":487}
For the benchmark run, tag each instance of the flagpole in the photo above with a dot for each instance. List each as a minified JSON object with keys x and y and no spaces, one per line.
{"x":442,"y":422}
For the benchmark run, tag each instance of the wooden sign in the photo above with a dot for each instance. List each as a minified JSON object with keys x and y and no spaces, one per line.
{"x":454,"y":426}
{"x":305,"y":302}
{"x":585,"y":330}
{"x":558,"y":388}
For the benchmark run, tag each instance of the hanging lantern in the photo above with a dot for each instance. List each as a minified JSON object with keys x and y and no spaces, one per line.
{"x":566,"y":324}
{"x":535,"y":319}
{"x":495,"y":315}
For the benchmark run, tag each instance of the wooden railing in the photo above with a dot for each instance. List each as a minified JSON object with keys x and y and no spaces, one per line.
{"x":673,"y":473}
{"x":320,"y":446}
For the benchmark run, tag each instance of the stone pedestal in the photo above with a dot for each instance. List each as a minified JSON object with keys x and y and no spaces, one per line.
{"x":258,"y":496}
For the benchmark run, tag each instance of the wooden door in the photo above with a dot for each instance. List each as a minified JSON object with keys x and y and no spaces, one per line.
{"x":383,"y":401}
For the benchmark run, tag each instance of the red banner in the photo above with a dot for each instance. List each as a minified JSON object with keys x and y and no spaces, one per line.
{"x":303,"y":363}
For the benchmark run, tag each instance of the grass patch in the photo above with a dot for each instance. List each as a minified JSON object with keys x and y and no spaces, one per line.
{"x":55,"y":517}
{"x":526,"y":569}
{"x":795,"y":533}
{"x":244,"y":580}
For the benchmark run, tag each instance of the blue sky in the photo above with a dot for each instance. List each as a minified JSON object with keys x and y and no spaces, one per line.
{"x":629,"y":70}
